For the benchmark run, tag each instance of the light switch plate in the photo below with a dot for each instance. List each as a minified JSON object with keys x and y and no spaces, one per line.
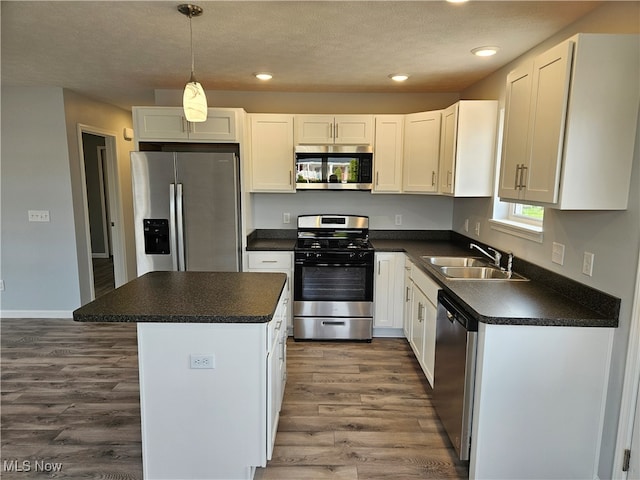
{"x":557,"y":254}
{"x":587,"y":263}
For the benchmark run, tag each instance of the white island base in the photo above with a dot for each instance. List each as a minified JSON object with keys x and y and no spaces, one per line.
{"x":207,"y":423}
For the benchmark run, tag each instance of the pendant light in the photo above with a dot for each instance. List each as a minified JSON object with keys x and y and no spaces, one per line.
{"x":194,"y":101}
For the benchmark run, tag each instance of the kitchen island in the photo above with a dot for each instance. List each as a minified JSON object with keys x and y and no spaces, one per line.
{"x":211,"y":356}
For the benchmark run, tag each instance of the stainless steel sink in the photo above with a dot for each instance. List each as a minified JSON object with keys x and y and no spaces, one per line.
{"x":456,"y":261}
{"x":480,"y":273}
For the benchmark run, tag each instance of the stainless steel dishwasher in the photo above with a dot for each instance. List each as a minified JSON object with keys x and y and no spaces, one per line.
{"x":454,"y":372}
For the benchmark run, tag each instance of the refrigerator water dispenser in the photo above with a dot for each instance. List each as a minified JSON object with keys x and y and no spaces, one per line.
{"x":156,"y":236}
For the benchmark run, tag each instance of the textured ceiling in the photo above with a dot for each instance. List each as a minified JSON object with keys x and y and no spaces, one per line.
{"x":120,"y":51}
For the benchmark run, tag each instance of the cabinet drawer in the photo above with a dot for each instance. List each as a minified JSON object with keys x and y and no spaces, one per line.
{"x":423,"y":282}
{"x":269,"y":260}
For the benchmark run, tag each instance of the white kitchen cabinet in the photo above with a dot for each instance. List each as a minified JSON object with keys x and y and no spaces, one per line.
{"x":467,"y":148}
{"x":540,"y":393}
{"x":277,"y":262}
{"x":232,"y":409}
{"x":276,"y":372}
{"x":169,"y":123}
{"x":334,"y":129}
{"x":579,"y":103}
{"x":388,"y":147}
{"x":408,"y":296}
{"x":424,"y":310}
{"x":272,"y":157}
{"x":388,"y":289}
{"x":421,"y":152}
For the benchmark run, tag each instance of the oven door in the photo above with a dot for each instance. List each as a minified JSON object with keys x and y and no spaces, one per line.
{"x":333,"y":284}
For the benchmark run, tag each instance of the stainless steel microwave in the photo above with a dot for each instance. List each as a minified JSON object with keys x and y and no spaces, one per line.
{"x":334,"y":167}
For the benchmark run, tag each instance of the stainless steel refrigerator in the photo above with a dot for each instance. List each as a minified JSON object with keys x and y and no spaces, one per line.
{"x":186,"y":211}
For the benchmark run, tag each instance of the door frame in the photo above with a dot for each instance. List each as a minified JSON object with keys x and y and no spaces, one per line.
{"x":114,"y":199}
{"x":630,"y":397}
{"x":104,"y":199}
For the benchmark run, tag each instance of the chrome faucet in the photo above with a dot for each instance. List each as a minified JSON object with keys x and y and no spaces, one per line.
{"x":496,"y":258}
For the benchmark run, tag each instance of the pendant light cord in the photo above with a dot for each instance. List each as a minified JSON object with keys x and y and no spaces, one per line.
{"x":193,"y":79}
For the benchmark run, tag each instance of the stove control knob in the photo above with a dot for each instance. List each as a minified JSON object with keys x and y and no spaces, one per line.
{"x":352,"y":254}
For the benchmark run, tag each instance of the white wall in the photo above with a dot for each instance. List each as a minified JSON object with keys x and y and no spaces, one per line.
{"x":614,"y":237}
{"x":39,"y":261}
{"x":419,"y":212}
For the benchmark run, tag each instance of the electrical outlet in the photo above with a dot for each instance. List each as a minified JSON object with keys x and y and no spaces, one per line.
{"x":202,"y":361}
{"x":286,"y":217}
{"x":1,"y":285}
{"x":557,"y":253}
{"x":39,"y":216}
{"x":587,"y":263}
{"x":477,"y":229}
{"x":398,"y":219}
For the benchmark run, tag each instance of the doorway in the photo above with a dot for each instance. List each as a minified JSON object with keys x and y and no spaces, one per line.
{"x":97,"y":150}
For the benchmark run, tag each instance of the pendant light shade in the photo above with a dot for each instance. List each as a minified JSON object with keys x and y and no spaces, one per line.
{"x":194,"y":101}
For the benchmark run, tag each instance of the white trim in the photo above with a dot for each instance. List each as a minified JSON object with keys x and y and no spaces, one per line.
{"x":115,"y":203}
{"x":522,"y":230}
{"x":36,"y":314}
{"x":630,"y":387}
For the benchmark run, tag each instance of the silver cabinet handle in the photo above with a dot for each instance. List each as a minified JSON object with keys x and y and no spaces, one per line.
{"x":335,"y":127}
{"x":523,"y":178}
{"x":377,"y":179}
{"x":433,"y":178}
{"x":408,"y":296}
{"x":449,"y":177}
{"x":420,"y":312}
{"x":516,"y":185}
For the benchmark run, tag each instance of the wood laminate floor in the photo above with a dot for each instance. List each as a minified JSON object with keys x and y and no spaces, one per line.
{"x":70,"y":408}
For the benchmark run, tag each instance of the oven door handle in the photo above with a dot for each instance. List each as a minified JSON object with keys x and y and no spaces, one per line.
{"x":306,"y":264}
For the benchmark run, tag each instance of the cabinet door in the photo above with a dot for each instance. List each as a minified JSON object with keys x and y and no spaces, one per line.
{"x":388,"y":290}
{"x":160,"y":123}
{"x":272,"y":160}
{"x":388,"y":153}
{"x":408,"y":296}
{"x":417,"y":323}
{"x":421,"y":152}
{"x":314,"y":129}
{"x":429,"y":351}
{"x":549,"y":97}
{"x":353,"y":129}
{"x":220,"y":125}
{"x":516,"y":127}
{"x":276,"y":262}
{"x":448,"y":149}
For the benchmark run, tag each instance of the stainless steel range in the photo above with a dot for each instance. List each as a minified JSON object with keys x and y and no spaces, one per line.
{"x":333,"y":278}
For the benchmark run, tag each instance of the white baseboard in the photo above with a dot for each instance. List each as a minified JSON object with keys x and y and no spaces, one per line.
{"x":388,"y":332}
{"x":68,"y":314}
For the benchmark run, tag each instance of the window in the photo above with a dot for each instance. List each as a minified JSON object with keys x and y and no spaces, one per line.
{"x":530,"y":214}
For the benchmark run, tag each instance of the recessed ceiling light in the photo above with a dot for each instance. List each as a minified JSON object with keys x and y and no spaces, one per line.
{"x":485,"y":51}
{"x":398,"y":77}
{"x":457,"y":1}
{"x":264,"y":76}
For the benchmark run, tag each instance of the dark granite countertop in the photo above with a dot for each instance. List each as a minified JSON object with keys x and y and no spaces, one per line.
{"x":533,"y":302}
{"x":547,"y":299}
{"x":189,"y":297}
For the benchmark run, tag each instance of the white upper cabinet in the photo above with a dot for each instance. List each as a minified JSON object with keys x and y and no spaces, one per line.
{"x":272,"y":158}
{"x":467,"y":148}
{"x":169,"y":124}
{"x":334,"y":129}
{"x":421,"y":152}
{"x":387,"y":159}
{"x":570,"y":124}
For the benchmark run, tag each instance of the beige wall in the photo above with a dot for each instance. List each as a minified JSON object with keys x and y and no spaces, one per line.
{"x":110,"y":120}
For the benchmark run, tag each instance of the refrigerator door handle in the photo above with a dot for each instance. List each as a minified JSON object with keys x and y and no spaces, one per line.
{"x":180,"y":226}
{"x":172,"y":222}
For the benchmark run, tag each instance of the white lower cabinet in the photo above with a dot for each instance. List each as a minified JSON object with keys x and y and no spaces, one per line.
{"x":388,"y":289}
{"x":408,"y":295}
{"x":424,"y":301}
{"x":216,"y":423}
{"x":276,"y":262}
